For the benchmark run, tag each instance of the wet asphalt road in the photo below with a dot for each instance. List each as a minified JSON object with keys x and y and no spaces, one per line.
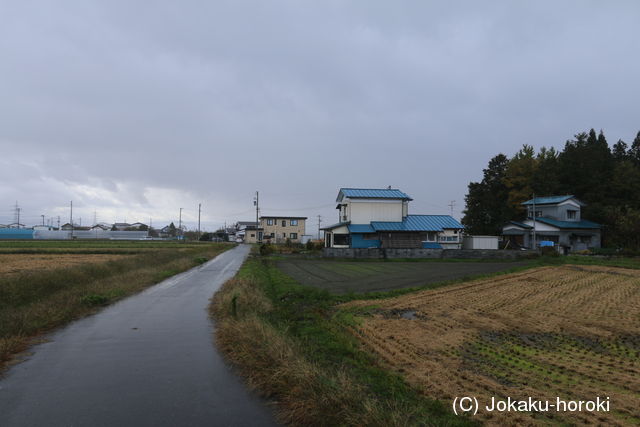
{"x":148,"y":360}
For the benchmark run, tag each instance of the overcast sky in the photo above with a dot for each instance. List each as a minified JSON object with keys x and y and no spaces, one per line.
{"x":133,"y":110}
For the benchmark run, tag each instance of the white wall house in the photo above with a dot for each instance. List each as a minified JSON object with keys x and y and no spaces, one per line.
{"x":556,"y":219}
{"x":379,"y":218}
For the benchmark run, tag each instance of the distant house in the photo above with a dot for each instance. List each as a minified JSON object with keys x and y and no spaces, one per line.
{"x":102,"y":226}
{"x":74,"y":227}
{"x":253,"y":234}
{"x":121,"y":226}
{"x":242,"y":225}
{"x":379,"y":218}
{"x":43,"y":227}
{"x":137,"y":226}
{"x":557,"y":219}
{"x":15,"y":225}
{"x":279,"y":229}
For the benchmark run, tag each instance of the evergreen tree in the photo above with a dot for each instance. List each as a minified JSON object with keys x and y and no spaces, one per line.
{"x":634,"y":151}
{"x":546,"y":177}
{"x":586,"y":167}
{"x":620,"y":151}
{"x":487,"y":208}
{"x":519,"y":178}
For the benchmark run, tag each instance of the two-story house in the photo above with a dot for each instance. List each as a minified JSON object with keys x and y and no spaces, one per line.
{"x":277,"y":229}
{"x":557,"y":219}
{"x":379,"y":218}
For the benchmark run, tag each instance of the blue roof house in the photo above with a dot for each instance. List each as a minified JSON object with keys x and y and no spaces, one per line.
{"x":379,"y":218}
{"x":556,"y":219}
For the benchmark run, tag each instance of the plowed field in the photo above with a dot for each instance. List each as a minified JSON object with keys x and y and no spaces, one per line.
{"x":571,"y":332}
{"x":342,"y":277}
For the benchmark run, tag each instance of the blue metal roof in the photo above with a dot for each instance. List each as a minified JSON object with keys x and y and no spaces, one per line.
{"x":520,"y":224}
{"x":418,"y":223}
{"x":568,"y":224}
{"x":549,"y":200}
{"x":361,"y":228}
{"x":372,"y":193}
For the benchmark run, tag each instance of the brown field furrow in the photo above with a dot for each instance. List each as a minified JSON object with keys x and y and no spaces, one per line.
{"x":572,"y":332}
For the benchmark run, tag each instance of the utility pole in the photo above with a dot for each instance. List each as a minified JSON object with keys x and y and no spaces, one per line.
{"x":95,"y":217}
{"x":534,"y":221}
{"x":16,"y":215}
{"x":452,"y":205}
{"x":58,"y":222}
{"x":71,"y":219}
{"x":180,"y":223}
{"x":199,"y":210}
{"x":319,"y":221}
{"x":42,"y":219}
{"x":256,"y":201}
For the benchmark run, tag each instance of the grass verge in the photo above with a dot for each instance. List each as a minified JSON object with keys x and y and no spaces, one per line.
{"x":34,"y":303}
{"x":291,"y":344}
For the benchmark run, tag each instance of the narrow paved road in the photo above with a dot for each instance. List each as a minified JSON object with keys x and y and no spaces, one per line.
{"x":148,"y":360}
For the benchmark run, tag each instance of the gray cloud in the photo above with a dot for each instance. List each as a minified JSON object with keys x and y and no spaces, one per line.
{"x":134,"y":110}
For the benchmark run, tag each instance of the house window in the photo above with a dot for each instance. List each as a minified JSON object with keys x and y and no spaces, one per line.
{"x":538,"y":214}
{"x":284,"y":222}
{"x":284,"y":235}
{"x":341,"y":239}
{"x":273,"y":235}
{"x":253,"y":235}
{"x":293,"y":236}
{"x":270,"y":222}
{"x":571,"y":214}
{"x":294,"y":222}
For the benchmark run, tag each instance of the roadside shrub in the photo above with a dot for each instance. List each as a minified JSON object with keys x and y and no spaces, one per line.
{"x":266,"y":249}
{"x":309,"y":246}
{"x":549,"y":251}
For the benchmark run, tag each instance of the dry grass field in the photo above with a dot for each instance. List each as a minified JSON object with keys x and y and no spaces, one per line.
{"x":47,"y":284}
{"x":566,"y":331}
{"x":12,"y":264}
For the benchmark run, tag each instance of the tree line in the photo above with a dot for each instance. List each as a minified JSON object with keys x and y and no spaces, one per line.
{"x":606,"y":178}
